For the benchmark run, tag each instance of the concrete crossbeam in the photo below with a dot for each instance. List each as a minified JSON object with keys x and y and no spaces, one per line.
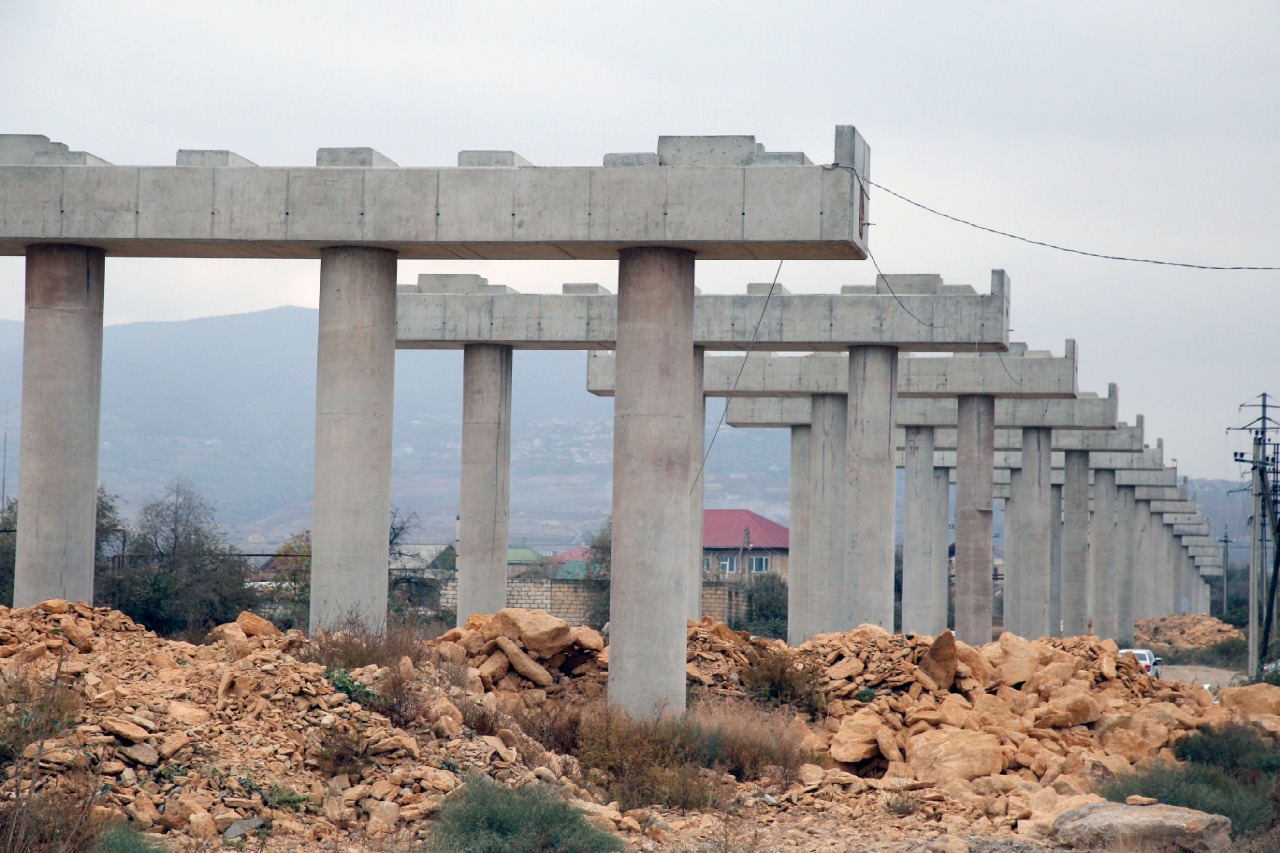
{"x":462,"y":314}
{"x":1087,"y":412}
{"x":698,"y":197}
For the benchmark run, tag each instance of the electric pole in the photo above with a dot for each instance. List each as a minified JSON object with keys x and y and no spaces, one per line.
{"x":1263,"y":521}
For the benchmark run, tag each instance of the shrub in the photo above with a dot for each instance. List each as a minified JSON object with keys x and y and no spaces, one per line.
{"x":776,"y":678}
{"x":357,"y":691}
{"x":1236,"y":749}
{"x":557,"y":727}
{"x":902,"y":805}
{"x":488,"y":818}
{"x":341,"y":752}
{"x":42,"y":709}
{"x":1200,"y":787}
{"x":122,"y":839}
{"x":50,"y":818}
{"x":479,"y":719}
{"x":1229,"y":654}
{"x":352,"y":644}
{"x":398,"y":698}
{"x":766,"y":614}
{"x":748,"y":740}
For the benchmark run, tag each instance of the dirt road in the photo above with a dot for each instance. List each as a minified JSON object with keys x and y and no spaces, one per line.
{"x":1215,"y":678}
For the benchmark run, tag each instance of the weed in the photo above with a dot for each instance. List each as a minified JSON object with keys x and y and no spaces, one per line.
{"x":487,"y":818}
{"x":1237,"y":749}
{"x":866,"y":694}
{"x":776,"y":678}
{"x":902,"y":805}
{"x":122,"y":839}
{"x":480,"y":720}
{"x":341,"y":752}
{"x":351,"y":644}
{"x":280,"y":797}
{"x":1229,"y":654}
{"x":747,"y":740}
{"x":557,"y":727}
{"x":51,"y":817}
{"x":357,"y":691}
{"x":34,"y":710}
{"x":397,"y":697}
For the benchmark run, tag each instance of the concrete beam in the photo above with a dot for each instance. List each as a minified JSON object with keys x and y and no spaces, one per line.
{"x":450,"y":313}
{"x":704,"y":194}
{"x":1086,"y":412}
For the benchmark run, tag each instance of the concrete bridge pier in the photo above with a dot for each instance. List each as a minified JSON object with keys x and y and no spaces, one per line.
{"x":798,"y":560}
{"x":697,"y":448}
{"x":872,"y":470}
{"x":1035,"y":517}
{"x":975,"y":465}
{"x":355,"y":369}
{"x":1075,"y":544}
{"x":655,"y":388}
{"x":1103,"y":553}
{"x":919,"y":525}
{"x":484,"y":499}
{"x":61,"y":400}
{"x":821,"y":596}
{"x":1012,"y":600}
{"x":939,"y":577}
{"x":1128,"y":529}
{"x":1055,"y":561}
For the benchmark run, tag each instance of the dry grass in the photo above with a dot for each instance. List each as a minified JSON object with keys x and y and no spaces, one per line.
{"x":350,"y":644}
{"x":776,"y":678}
{"x":341,"y":752}
{"x":34,"y":709}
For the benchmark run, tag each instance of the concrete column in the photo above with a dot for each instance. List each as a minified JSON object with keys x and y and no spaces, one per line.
{"x":1011,"y":568}
{"x":798,"y":537}
{"x":653,"y":405}
{"x":61,"y":397}
{"x":1055,"y":561}
{"x":697,"y":447}
{"x":1103,"y":553}
{"x":975,"y":460}
{"x":1075,"y":544}
{"x":1142,"y":567}
{"x":873,"y":481}
{"x":940,"y":574}
{"x":819,"y":597}
{"x":355,"y":374}
{"x":919,"y":537}
{"x":1168,"y":598}
{"x":1126,"y":564}
{"x":1034,"y":521}
{"x":486,"y":479}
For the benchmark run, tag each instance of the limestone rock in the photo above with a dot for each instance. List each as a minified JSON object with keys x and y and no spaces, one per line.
{"x":1114,"y":826}
{"x":537,"y":631}
{"x":945,"y":755}
{"x":588,"y":638}
{"x":1069,"y":706}
{"x":941,"y":660}
{"x":254,"y":625}
{"x":383,"y":817}
{"x":141,"y":753}
{"x":1019,"y":659}
{"x":524,"y":664}
{"x":125,"y":730}
{"x":233,"y":637}
{"x":1254,"y":699}
{"x":856,"y":739}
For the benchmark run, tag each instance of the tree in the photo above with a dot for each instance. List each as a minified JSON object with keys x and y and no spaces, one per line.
{"x":179,"y":575}
{"x":598,"y":571}
{"x":108,"y":525}
{"x":766,"y":614}
{"x":288,"y":578}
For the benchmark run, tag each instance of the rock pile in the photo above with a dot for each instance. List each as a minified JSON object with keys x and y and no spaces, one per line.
{"x":1185,"y":631}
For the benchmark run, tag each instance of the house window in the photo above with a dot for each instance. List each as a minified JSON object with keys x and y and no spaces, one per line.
{"x":729,"y":564}
{"x":758,"y":564}
{"x":706,"y":564}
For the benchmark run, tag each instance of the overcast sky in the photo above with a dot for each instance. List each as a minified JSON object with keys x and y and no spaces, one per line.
{"x":1148,"y":129}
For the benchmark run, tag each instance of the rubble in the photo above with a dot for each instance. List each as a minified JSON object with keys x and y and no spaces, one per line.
{"x":1164,"y":634}
{"x":196,"y":741}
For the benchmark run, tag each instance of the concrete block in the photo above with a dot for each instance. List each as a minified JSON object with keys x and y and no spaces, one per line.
{"x":325,"y":204}
{"x":764,"y":288}
{"x":628,"y":204}
{"x":840,"y":207}
{"x":476,"y":204}
{"x":41,"y":193}
{"x":705,"y":204}
{"x":195,"y":157}
{"x":250,"y":204}
{"x":363,"y":157}
{"x":400,"y":205}
{"x":639,"y":158}
{"x":20,"y":149}
{"x":584,"y":289}
{"x":175,"y":203}
{"x":781,"y":158}
{"x":782,"y":203}
{"x":68,"y":158}
{"x":99,"y":203}
{"x":552,"y":205}
{"x":450,"y":283}
{"x":706,"y":150}
{"x":491,"y":159}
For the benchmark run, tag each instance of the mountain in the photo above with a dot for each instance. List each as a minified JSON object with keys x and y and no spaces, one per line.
{"x":229,"y":402}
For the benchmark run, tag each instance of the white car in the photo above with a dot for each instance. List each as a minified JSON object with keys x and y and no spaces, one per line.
{"x":1147,"y":658}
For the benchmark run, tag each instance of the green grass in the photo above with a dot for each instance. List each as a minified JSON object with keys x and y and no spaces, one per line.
{"x":488,"y":818}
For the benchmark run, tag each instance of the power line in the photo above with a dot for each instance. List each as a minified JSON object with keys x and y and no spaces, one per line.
{"x":1043,"y":243}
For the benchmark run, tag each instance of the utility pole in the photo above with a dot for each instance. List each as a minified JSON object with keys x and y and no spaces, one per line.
{"x":1263,"y":521}
{"x":1226,"y":545}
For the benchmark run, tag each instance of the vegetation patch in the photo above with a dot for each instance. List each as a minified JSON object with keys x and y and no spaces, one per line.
{"x":1233,"y":771}
{"x":777,"y":678}
{"x":488,"y":818}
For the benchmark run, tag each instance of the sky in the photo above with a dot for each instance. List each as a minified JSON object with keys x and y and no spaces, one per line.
{"x":1146,"y":129}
